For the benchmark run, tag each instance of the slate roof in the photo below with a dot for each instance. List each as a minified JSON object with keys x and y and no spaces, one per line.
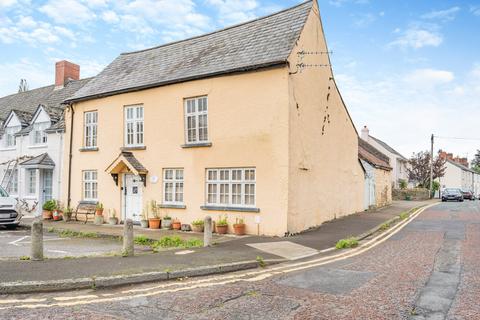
{"x":26,"y":103}
{"x":263,"y":42}
{"x":41,"y":160}
{"x":370,"y":154}
{"x":386,"y":146}
{"x":133,"y":161}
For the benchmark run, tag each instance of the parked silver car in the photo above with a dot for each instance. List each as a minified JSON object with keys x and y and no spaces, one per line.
{"x":9,"y":217}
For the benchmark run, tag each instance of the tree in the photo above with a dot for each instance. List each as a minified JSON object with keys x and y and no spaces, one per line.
{"x":419,"y":170}
{"x":23,"y":86}
{"x":476,"y":162}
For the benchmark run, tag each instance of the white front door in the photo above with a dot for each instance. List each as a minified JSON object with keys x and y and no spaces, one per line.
{"x":133,"y":189}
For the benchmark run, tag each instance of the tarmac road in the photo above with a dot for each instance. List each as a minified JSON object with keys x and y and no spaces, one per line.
{"x":428,"y":270}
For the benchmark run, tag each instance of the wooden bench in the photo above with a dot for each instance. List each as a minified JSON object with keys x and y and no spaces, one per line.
{"x":86,"y":208}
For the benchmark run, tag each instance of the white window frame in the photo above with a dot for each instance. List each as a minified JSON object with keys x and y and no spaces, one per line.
{"x":38,"y":135}
{"x":10,"y":132}
{"x":134,"y":126}
{"x":220,"y":183}
{"x":175,"y":177}
{"x":194,"y":134}
{"x":31,"y":182}
{"x":90,"y":185}
{"x":90,"y":129}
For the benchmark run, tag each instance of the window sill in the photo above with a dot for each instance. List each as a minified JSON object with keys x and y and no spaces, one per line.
{"x":197,"y":145}
{"x":37,"y":146}
{"x":85,"y":149}
{"x":133,"y":148}
{"x":8,"y":149}
{"x":173,"y":206}
{"x":239,"y":209}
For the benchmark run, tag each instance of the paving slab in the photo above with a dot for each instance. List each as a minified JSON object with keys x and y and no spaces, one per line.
{"x":285,"y":249}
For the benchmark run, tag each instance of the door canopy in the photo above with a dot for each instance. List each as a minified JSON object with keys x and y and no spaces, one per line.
{"x":127,"y":163}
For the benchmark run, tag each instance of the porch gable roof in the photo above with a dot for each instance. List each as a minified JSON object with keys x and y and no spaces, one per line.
{"x":128,"y":160}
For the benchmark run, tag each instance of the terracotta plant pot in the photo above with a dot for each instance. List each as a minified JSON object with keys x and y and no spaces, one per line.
{"x":198,"y":228}
{"x":47,"y":215}
{"x":154,"y":223}
{"x":56,"y":215}
{"x":221,"y":229}
{"x":176,"y":225}
{"x":99,"y":212}
{"x":239,"y":229}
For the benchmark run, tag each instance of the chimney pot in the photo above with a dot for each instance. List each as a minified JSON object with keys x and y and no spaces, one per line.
{"x":66,"y":71}
{"x":365,"y":133}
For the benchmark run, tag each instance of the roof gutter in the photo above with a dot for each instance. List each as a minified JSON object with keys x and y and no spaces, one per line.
{"x":165,"y":83}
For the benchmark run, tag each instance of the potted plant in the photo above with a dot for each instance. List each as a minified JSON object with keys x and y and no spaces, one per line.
{"x":198,"y":225}
{"x":222,"y":225}
{"x":99,"y":209}
{"x":176,"y":224}
{"x":67,"y":214}
{"x":112,"y":217}
{"x":154,"y":222}
{"x":48,"y":208}
{"x":239,"y":227}
{"x":166,"y":221}
{"x":143,"y":220}
{"x":57,"y":212}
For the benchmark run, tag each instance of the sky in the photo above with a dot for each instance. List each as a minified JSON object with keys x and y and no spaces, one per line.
{"x":406,"y":69}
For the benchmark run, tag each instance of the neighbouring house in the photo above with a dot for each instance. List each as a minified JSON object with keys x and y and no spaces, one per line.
{"x":398,"y":162}
{"x":378,"y":186}
{"x":245,"y":122}
{"x":31,"y":143}
{"x":458,"y":174}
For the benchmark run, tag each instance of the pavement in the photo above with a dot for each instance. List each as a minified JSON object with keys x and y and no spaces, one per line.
{"x":235,"y":254}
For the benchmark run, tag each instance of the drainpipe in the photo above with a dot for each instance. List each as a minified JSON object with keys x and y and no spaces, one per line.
{"x":70,"y":155}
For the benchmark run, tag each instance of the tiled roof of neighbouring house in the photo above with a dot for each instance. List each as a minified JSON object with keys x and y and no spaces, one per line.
{"x":386,"y":146}
{"x":29,"y":101}
{"x":263,"y":42}
{"x":373,"y":156}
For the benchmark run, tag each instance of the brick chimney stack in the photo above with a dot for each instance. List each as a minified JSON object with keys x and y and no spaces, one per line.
{"x":64,"y":72}
{"x":365,"y":133}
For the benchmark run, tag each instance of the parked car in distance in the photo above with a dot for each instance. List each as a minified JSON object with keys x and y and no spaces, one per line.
{"x":9,"y":217}
{"x":467,"y":194}
{"x":451,"y":194}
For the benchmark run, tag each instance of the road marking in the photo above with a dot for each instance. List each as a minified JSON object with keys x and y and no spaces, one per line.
{"x":57,"y":251}
{"x":18,"y":240}
{"x":90,"y":296}
{"x":229,"y":279}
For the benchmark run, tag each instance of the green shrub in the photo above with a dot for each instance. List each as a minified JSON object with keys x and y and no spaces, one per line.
{"x":347,"y":243}
{"x":49,"y":205}
{"x":403,"y":184}
{"x":198,"y":223}
{"x":175,"y":242}
{"x":385,"y":226}
{"x":142,"y":240}
{"x":222,"y":222}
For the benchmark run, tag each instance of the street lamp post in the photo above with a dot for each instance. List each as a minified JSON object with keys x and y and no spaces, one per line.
{"x":431,"y":167}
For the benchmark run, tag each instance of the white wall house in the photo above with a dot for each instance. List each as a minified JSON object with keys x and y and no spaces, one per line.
{"x":397,"y":161}
{"x":461,"y":177}
{"x":31,"y":140}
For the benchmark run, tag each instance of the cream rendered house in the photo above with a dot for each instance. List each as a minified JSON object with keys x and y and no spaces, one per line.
{"x":461,"y":177}
{"x":245,"y":122}
{"x":31,"y":142}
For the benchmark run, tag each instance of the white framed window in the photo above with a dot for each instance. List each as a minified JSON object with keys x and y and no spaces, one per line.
{"x":90,"y":129}
{"x":196,"y":120}
{"x":13,"y":185}
{"x":31,"y":181}
{"x":173,"y":186}
{"x":38,"y":135}
{"x":231,"y":187}
{"x":134,"y":126}
{"x":10,"y":132}
{"x":90,"y":185}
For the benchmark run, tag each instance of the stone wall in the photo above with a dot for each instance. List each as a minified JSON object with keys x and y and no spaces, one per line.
{"x":411,"y":194}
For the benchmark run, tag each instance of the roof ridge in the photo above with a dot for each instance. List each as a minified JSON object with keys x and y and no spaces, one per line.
{"x":218,"y":30}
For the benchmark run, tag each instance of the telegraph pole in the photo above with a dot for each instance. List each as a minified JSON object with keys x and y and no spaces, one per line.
{"x":431,"y":167}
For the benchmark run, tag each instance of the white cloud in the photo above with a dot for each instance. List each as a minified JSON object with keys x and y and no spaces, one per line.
{"x":444,"y":15}
{"x":475,"y":10}
{"x":429,"y":78}
{"x":37,"y":75}
{"x":110,"y":16}
{"x":7,"y":3}
{"x":234,"y":11}
{"x":417,"y":37}
{"x":26,"y":22}
{"x":67,"y":11}
{"x":364,"y":20}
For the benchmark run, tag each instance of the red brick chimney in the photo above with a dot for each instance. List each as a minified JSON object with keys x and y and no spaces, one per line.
{"x":66,"y":71}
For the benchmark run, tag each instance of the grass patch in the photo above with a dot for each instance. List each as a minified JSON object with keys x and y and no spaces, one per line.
{"x":261,"y":262}
{"x":404,"y":215}
{"x":77,"y":234}
{"x":347,"y":243}
{"x":175,"y":242}
{"x":143,"y":241}
{"x":384,"y":226}
{"x":25,"y":258}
